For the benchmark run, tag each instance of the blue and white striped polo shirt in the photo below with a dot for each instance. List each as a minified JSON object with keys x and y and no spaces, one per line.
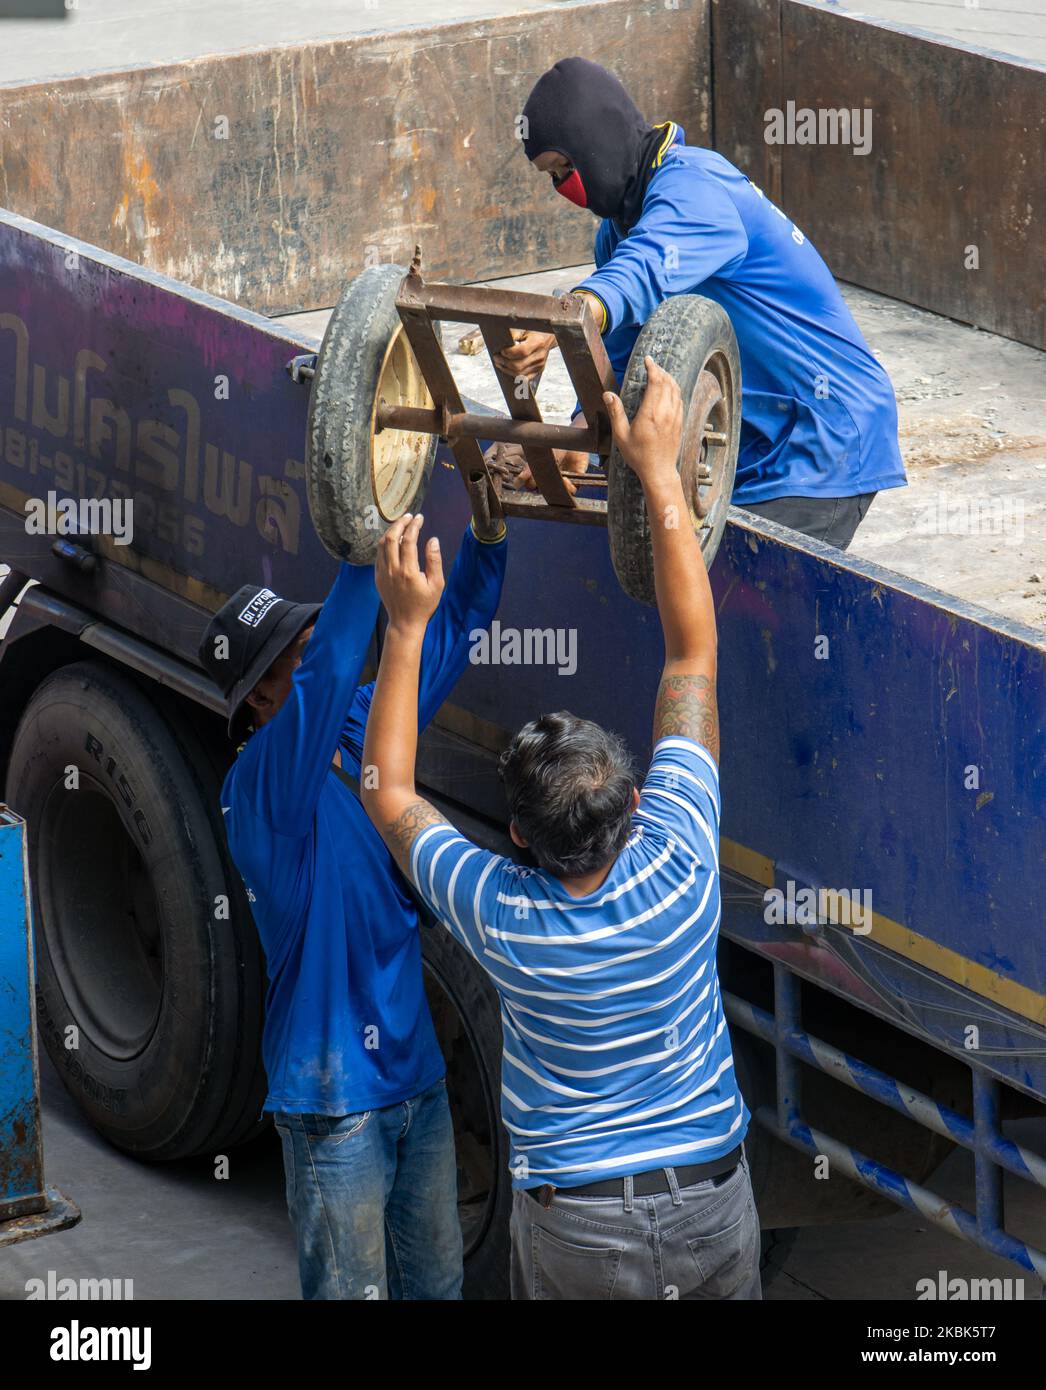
{"x":617,"y":1057}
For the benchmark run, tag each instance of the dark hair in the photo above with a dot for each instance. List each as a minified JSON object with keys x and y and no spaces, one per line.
{"x":569,"y":785}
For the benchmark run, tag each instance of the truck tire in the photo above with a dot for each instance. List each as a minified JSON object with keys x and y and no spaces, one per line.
{"x":358,"y":481}
{"x":149,"y":971}
{"x":467,"y":1016}
{"x":691,"y":338}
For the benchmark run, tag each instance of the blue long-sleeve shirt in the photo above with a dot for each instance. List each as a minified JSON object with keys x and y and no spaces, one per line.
{"x":819,"y":418}
{"x":347,"y":1026}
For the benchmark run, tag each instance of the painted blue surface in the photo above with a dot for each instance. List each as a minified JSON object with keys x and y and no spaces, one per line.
{"x":847,"y":772}
{"x":117,"y":383}
{"x":20,"y":1173}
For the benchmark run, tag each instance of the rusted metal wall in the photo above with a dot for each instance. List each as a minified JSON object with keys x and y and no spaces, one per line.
{"x":947,"y":210}
{"x":271,"y":177}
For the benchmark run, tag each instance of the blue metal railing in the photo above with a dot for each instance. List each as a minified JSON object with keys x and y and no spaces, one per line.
{"x":992,"y":1151}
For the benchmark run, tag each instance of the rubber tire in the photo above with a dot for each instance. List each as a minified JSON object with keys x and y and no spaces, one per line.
{"x":476,"y":1001}
{"x":341,"y":407}
{"x":680,"y":336}
{"x":196,"y":1084}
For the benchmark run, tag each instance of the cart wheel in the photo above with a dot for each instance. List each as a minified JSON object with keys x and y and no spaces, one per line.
{"x":692,"y":338}
{"x":359,"y":482}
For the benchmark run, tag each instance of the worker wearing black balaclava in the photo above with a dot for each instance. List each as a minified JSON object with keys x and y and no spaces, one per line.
{"x":581,"y":111}
{"x":818,"y":415}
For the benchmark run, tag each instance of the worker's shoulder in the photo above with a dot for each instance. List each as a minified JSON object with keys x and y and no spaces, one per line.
{"x":691,"y":177}
{"x":241,"y":795}
{"x":696,"y":160}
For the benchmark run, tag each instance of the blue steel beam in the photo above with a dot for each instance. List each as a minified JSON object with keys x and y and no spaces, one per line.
{"x":889,"y":1183}
{"x":859,"y":1076}
{"x":987,"y":1173}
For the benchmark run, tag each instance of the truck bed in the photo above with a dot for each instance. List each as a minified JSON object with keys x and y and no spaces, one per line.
{"x":972,"y":411}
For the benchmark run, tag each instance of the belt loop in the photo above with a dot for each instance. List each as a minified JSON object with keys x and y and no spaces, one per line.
{"x":673,"y":1186}
{"x":629,"y":1192}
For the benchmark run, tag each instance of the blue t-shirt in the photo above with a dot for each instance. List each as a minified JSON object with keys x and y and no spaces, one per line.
{"x":616,"y":1051}
{"x":819,"y":418}
{"x":347,"y":1026}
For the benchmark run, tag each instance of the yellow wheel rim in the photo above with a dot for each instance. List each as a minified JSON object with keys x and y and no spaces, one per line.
{"x":397,"y":457}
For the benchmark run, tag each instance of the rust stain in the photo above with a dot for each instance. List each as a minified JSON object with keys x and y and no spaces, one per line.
{"x":270,"y":218}
{"x":135,"y":214}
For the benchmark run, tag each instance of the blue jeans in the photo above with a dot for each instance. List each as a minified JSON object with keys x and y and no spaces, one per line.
{"x":373,"y":1200}
{"x":698,"y":1242}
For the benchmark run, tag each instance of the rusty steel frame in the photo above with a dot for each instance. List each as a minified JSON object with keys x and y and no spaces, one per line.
{"x":497,"y":312}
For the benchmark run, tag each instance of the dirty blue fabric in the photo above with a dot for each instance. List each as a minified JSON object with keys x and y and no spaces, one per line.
{"x":373,"y":1200}
{"x":691,"y":1243}
{"x":347,"y":1026}
{"x":819,"y":418}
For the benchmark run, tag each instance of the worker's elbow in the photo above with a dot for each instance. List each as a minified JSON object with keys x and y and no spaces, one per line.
{"x":371,"y":798}
{"x":384,"y":803}
{"x":703,"y":653}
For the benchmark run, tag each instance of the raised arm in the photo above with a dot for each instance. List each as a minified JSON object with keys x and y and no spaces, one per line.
{"x":411,"y":595}
{"x":690,"y":230}
{"x":686,"y":697}
{"x":469,"y":603}
{"x":286,"y":762}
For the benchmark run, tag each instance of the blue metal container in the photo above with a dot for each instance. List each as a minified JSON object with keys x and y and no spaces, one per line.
{"x":27,"y":1207}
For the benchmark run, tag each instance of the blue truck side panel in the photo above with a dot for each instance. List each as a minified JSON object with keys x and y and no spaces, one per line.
{"x":878,"y":737}
{"x":884,"y":745}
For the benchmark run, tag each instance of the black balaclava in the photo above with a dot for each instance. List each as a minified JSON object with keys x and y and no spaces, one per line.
{"x":581,"y":111}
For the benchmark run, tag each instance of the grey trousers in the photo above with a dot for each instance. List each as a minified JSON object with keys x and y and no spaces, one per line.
{"x":699,"y":1242}
{"x":830,"y":519}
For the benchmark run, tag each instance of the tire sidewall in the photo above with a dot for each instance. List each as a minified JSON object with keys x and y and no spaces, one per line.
{"x":96,"y":720}
{"x":680,"y":336}
{"x":476,"y":1001}
{"x":339,"y":430}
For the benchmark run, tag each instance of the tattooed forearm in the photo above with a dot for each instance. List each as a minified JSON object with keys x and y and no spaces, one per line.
{"x":687,"y":705}
{"x":401,"y":833}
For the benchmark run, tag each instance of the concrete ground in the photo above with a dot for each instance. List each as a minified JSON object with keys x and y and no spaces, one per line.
{"x":1012,"y":27}
{"x":108,"y":35}
{"x":178,"y":1233}
{"x":105,"y":35}
{"x":972,"y":416}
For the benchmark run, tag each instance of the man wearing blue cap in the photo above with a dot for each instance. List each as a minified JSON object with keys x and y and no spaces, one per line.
{"x":355,"y":1073}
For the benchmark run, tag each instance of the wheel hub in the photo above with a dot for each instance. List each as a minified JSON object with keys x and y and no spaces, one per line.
{"x":397,"y":456}
{"x":704,"y":451}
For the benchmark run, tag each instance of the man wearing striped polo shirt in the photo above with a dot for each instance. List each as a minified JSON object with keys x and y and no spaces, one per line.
{"x":618,"y":1085}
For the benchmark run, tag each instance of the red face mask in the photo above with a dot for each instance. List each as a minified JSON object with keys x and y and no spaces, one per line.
{"x":572,"y":189}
